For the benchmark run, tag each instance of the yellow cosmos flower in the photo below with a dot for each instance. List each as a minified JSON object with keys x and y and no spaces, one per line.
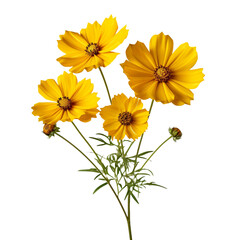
{"x":125,"y":116}
{"x":160,"y":74}
{"x":71,"y":100}
{"x":93,"y":47}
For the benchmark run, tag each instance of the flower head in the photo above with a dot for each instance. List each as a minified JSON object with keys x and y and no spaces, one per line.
{"x":70,"y":100}
{"x":125,"y":116}
{"x":93,"y":47}
{"x":160,"y":74}
{"x":176,"y":133}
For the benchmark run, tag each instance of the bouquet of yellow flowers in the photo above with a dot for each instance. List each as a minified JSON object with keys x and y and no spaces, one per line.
{"x":156,"y":73}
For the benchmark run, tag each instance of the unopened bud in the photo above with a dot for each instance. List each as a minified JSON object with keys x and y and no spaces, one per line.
{"x":50,"y":129}
{"x":176,"y":133}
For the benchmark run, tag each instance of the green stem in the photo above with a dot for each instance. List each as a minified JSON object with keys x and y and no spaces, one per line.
{"x":106,"y":179}
{"x":129,"y":219}
{"x":155,"y":152}
{"x":80,"y":152}
{"x":139,"y":145}
{"x":86,"y":141}
{"x":105,"y":82}
{"x":129,"y":147}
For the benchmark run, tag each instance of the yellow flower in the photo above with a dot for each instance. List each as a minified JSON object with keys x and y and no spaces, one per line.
{"x":93,"y":47}
{"x":160,"y":74}
{"x":125,"y":116}
{"x":71,"y":100}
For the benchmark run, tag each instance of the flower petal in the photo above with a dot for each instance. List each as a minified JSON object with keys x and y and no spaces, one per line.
{"x":120,"y":133}
{"x":107,"y":57}
{"x":49,"y":90}
{"x":73,"y":58}
{"x":139,"y":55}
{"x":189,"y":78}
{"x":48,"y":112}
{"x":183,"y":58}
{"x":89,"y":114}
{"x":140,"y":116}
{"x":144,"y":90}
{"x":67,"y":83}
{"x":75,"y":113}
{"x":116,"y":40}
{"x":164,"y":94}
{"x":133,"y":104}
{"x":92,"y":33}
{"x":161,"y":47}
{"x":73,"y":40}
{"x":182,"y":94}
{"x":135,"y":72}
{"x":118,"y":101}
{"x":108,"y":29}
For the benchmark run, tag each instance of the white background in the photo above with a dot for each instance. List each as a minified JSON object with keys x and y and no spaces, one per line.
{"x":43,"y":196}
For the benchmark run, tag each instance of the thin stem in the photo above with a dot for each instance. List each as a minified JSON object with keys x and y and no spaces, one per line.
{"x":105,"y":82}
{"x":139,"y":145}
{"x":129,"y":219}
{"x":80,"y":152}
{"x":129,"y":147}
{"x":86,"y":141}
{"x":155,"y":152}
{"x":106,"y":179}
{"x":123,"y":155}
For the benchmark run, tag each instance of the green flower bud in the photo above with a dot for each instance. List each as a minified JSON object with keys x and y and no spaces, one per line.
{"x":50,"y":130}
{"x":176,"y":133}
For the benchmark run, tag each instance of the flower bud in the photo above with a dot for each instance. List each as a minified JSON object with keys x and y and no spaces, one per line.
{"x":176,"y":133}
{"x":50,"y":129}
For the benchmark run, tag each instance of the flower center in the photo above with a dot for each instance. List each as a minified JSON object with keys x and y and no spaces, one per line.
{"x":92,"y":49}
{"x":162,"y":74}
{"x":64,"y":103}
{"x":125,"y":118}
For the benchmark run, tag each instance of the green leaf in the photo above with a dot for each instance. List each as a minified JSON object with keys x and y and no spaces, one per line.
{"x":154,"y":184}
{"x":140,"y":155}
{"x":134,"y":197}
{"x":89,"y":170}
{"x":97,"y":176}
{"x":99,"y":187}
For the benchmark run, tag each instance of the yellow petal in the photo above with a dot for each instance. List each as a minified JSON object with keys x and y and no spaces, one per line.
{"x":75,"y":113}
{"x":109,"y":112}
{"x":139,"y":129}
{"x":83,"y":89}
{"x":73,"y":40}
{"x":144,"y":90}
{"x":135,"y":72}
{"x":67,"y":83}
{"x":119,"y":101}
{"x":183,"y":58}
{"x":133,"y":104}
{"x":111,"y":125}
{"x":48,"y":112}
{"x":163,"y":93}
{"x":120,"y":133}
{"x":140,"y":116}
{"x":89,"y":114}
{"x":49,"y":90}
{"x":107,"y":57}
{"x":116,"y":40}
{"x":94,"y":61}
{"x":72,"y":59}
{"x":161,"y":47}
{"x":139,"y":55}
{"x":182,"y":94}
{"x":79,"y":67}
{"x":93,"y":32}
{"x":189,"y":78}
{"x":108,"y":29}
